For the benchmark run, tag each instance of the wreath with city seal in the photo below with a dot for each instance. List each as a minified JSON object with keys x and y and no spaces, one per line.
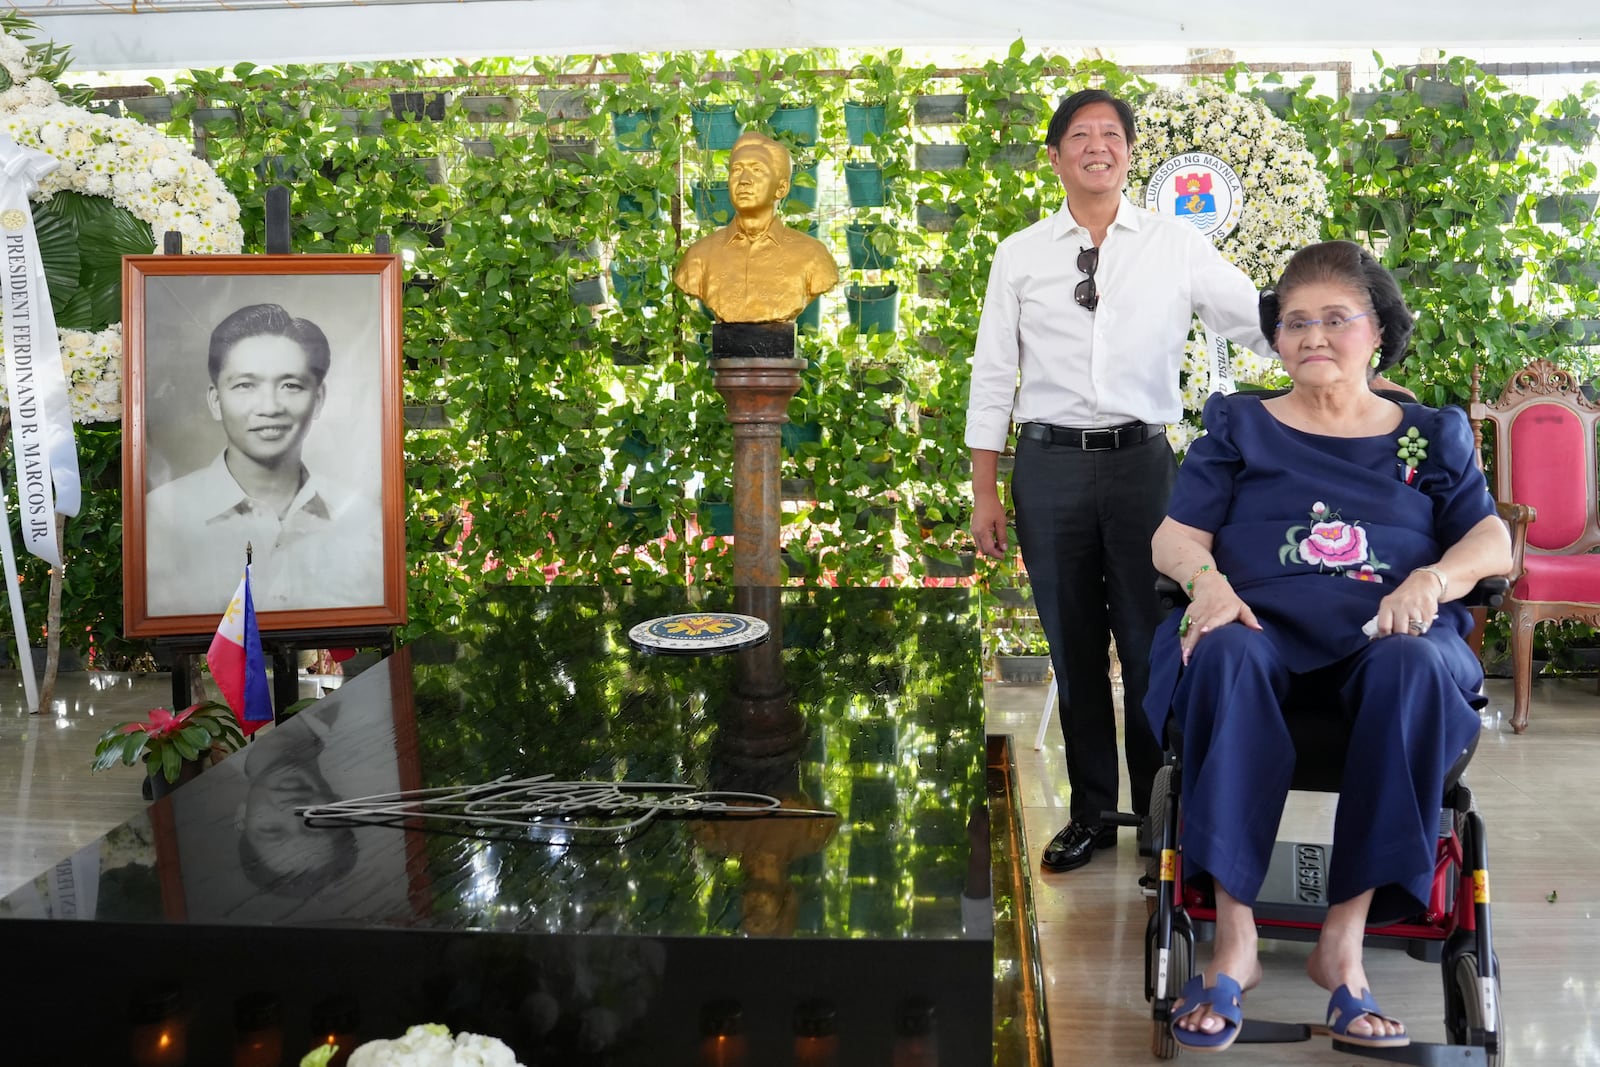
{"x":118,"y":184}
{"x":1264,"y":202}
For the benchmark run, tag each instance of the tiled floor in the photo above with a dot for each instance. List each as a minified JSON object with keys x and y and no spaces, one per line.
{"x":1535,"y":791}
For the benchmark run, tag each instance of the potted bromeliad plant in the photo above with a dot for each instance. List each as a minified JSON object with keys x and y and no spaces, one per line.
{"x":172,"y":745}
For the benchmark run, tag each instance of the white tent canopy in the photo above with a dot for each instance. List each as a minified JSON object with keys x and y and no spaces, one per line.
{"x":117,"y":35}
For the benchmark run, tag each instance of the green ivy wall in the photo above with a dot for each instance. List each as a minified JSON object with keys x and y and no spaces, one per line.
{"x":562,"y":425}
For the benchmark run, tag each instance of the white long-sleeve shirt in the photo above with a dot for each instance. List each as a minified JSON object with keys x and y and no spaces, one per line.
{"x":1116,"y":364}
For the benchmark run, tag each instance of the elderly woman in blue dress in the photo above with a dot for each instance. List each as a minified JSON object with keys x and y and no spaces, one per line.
{"x":1324,"y":536}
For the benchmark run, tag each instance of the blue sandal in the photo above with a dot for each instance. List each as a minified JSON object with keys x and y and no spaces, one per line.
{"x":1223,"y":999}
{"x":1345,"y":1008}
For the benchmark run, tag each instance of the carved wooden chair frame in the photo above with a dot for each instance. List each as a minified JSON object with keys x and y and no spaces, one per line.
{"x":1540,"y":382}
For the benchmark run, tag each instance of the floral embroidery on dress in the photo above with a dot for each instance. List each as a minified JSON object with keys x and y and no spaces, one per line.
{"x":1330,"y":543}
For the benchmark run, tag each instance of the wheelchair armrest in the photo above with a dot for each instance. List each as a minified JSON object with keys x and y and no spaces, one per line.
{"x":1487,"y":593}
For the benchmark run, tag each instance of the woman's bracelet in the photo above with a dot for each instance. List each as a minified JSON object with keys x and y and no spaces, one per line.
{"x":1188,"y":587}
{"x":1444,"y":582}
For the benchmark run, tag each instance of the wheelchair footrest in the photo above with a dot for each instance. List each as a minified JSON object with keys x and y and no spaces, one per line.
{"x":1263,"y":1032}
{"x":1422,"y":1053}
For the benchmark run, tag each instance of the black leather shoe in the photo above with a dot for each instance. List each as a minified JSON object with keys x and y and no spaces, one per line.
{"x":1075,"y":844}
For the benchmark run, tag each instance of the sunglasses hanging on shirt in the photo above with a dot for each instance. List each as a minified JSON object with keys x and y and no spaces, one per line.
{"x":1086,"y":294}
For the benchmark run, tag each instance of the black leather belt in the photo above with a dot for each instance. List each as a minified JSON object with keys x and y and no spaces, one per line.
{"x":1102,"y":440}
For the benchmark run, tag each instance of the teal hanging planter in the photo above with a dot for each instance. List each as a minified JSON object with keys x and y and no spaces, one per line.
{"x":713,"y":203}
{"x":716,"y":519}
{"x":800,"y":123}
{"x":860,"y":120}
{"x":637,"y":210}
{"x":636,"y":130}
{"x":791,"y":435}
{"x":811,"y":318}
{"x":866,"y":242}
{"x":864,"y":182}
{"x":873,"y":308}
{"x":632,"y":285}
{"x":803,"y":187}
{"x":715,"y":126}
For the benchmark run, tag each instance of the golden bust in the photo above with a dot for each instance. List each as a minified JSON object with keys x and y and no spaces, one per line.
{"x":756,"y":269}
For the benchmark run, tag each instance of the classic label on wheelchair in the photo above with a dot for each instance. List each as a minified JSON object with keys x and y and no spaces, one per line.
{"x":1169,"y":864}
{"x":1480,"y":887}
{"x":1310,"y":877}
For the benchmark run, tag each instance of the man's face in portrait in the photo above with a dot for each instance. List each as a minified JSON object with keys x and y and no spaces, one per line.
{"x":266,"y":398}
{"x":751,"y":181}
{"x":1092,"y":157}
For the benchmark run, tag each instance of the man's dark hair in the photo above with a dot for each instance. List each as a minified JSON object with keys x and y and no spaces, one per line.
{"x":1346,"y":263}
{"x":1077,"y":102}
{"x":268,"y":320}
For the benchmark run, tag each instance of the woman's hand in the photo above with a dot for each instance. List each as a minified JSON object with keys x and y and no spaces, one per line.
{"x":1214,"y":604}
{"x":1411,"y":608}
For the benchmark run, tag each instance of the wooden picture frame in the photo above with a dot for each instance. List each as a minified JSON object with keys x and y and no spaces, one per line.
{"x":311,"y":423}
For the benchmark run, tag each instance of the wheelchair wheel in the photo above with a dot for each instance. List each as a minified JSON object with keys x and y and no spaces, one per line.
{"x":1180,"y":968}
{"x":1463,"y":1004}
{"x":1160,"y":788}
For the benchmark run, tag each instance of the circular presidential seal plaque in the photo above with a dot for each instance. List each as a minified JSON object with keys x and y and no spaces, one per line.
{"x":699,"y":633}
{"x":1200,"y":189}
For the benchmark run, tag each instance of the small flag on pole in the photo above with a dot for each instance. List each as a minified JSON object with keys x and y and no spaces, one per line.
{"x":237,"y":663}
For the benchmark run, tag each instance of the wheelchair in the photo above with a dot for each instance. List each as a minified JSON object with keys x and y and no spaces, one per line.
{"x":1453,"y":930}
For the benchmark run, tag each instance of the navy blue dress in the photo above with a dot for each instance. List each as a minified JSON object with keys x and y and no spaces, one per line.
{"x":1313,"y":532}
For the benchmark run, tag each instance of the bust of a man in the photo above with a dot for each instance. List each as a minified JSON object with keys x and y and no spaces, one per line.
{"x":756,"y":269}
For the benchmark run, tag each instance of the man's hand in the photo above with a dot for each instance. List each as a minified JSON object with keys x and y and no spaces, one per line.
{"x":989,"y":524}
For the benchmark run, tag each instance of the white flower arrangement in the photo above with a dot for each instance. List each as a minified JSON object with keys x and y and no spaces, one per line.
{"x":428,"y":1045}
{"x":155,"y":178}
{"x":1285,"y":200}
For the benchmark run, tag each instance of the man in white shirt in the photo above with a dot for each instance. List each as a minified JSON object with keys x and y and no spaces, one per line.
{"x":1092,"y":307}
{"x":316,"y":544}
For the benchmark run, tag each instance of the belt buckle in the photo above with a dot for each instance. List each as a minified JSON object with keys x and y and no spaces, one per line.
{"x":1113,"y":436}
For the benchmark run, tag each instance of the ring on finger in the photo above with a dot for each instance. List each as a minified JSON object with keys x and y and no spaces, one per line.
{"x":1417,"y":626}
{"x":1183,"y":626}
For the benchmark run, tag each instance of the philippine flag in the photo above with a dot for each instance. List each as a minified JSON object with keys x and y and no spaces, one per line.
{"x":237,"y":663}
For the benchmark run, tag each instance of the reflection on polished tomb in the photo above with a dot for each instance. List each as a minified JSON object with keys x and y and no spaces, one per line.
{"x":854,"y":924}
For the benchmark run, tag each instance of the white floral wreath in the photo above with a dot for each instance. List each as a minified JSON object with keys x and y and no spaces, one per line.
{"x":155,"y":178}
{"x":1285,"y":200}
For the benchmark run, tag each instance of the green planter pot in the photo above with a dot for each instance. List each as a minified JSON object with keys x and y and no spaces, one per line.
{"x":414,"y":107}
{"x":1023,"y":670}
{"x":360,"y":123}
{"x":712,"y":202}
{"x":1363,"y":101}
{"x":715,"y":126}
{"x":803,"y":187}
{"x":865,"y":253}
{"x":860,"y":120}
{"x":864,"y":183}
{"x":811,"y":318}
{"x":932,"y":285}
{"x":631,"y":283}
{"x":791,"y":435}
{"x":488,"y":108}
{"x":873,"y":308}
{"x":1276,"y":101}
{"x":634,"y":210}
{"x":965,"y":563}
{"x":481,"y":149}
{"x":636,"y":130}
{"x":941,"y":156}
{"x":716,"y":519}
{"x":800,"y":123}
{"x":1435,"y":94}
{"x":642,"y":521}
{"x":940,"y":109}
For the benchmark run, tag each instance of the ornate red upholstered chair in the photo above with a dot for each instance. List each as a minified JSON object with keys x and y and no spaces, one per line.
{"x":1544,"y":463}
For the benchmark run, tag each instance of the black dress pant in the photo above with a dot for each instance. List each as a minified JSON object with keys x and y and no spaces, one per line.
{"x":1084,"y":521}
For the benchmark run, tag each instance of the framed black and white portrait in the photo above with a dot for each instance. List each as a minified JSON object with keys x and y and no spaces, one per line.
{"x":262,"y":401}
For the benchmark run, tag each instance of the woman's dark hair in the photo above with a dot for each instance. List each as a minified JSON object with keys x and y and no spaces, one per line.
{"x":268,"y":320}
{"x":1346,"y":263}
{"x":1076,"y":103}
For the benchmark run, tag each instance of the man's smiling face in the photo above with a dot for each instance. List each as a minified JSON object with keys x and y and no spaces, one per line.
{"x":1093,"y":155}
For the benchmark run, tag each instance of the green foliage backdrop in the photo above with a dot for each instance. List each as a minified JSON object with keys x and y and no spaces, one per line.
{"x":554,"y":438}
